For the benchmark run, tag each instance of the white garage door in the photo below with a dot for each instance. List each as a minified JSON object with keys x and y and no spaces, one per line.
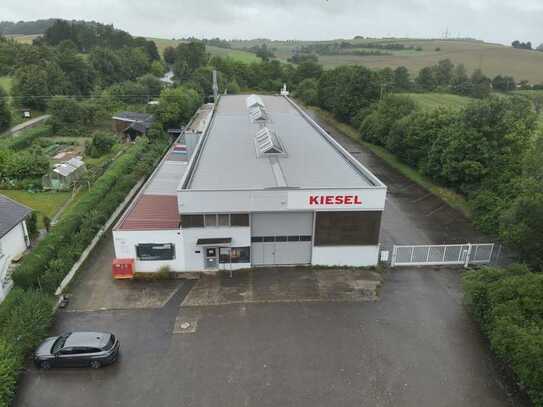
{"x":281,"y":238}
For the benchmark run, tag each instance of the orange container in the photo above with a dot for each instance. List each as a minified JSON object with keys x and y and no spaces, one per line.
{"x":122,"y":268}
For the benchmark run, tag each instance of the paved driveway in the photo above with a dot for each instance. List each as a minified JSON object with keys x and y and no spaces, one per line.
{"x":414,"y":347}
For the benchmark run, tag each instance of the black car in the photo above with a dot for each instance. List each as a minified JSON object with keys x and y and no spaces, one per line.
{"x":78,"y":349}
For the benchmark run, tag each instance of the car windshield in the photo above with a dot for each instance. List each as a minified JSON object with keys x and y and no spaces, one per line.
{"x":110,"y":343}
{"x":59,"y":343}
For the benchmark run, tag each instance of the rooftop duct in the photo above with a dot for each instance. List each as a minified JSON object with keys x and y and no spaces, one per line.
{"x":254,"y":100}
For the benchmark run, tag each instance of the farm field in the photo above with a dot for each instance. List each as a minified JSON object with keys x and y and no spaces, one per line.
{"x":24,"y":39}
{"x":493,"y":59}
{"x":429,"y":101}
{"x":236,"y":54}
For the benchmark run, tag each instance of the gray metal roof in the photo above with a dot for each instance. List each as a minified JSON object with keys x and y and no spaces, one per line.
{"x":11,"y":214}
{"x":133,"y":116}
{"x":229,"y":158}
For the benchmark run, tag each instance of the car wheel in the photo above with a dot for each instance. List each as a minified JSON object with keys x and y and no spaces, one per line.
{"x":45,"y":364}
{"x":95,"y":364}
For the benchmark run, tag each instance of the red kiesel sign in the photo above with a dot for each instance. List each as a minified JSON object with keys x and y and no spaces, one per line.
{"x":334,"y":200}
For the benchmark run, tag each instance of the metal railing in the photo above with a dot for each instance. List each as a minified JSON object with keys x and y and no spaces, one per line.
{"x":434,"y":255}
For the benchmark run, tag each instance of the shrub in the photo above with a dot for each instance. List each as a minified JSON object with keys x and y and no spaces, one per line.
{"x":508,"y":305}
{"x":101,"y":144}
{"x":25,"y":317}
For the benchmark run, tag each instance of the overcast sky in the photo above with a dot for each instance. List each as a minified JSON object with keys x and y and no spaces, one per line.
{"x":491,"y":20}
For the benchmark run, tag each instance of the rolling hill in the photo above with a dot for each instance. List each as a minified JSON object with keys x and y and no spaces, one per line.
{"x":493,"y":59}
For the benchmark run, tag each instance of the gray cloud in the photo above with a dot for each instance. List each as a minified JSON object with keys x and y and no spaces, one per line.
{"x":491,"y":20}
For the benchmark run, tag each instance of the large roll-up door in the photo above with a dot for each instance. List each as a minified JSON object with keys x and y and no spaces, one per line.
{"x":281,"y":238}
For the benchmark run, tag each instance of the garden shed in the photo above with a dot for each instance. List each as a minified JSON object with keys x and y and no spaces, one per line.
{"x":63,"y":176}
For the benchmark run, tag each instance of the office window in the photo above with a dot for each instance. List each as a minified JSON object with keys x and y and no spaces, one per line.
{"x":155,"y":251}
{"x":305,"y":238}
{"x":256,"y":239}
{"x":293,"y":238}
{"x":347,"y":228}
{"x":210,"y":220}
{"x":224,"y":219}
{"x":280,"y":238}
{"x":239,"y":219}
{"x":192,"y":221}
{"x":241,"y":254}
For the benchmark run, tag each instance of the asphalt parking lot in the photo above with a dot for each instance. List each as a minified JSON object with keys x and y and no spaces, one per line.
{"x":416,"y":346}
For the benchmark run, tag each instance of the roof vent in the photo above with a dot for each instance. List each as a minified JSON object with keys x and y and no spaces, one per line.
{"x":257,"y":114}
{"x":254,"y":100}
{"x":268,"y":143}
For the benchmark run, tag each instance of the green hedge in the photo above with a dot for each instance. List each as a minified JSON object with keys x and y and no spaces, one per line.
{"x":51,"y":260}
{"x":25,"y":317}
{"x":508,"y":303}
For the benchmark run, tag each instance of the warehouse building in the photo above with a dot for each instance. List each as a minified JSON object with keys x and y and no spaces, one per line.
{"x":260,"y":184}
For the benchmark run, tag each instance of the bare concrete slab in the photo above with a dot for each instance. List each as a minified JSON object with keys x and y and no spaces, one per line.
{"x":95,"y":289}
{"x":269,"y":285}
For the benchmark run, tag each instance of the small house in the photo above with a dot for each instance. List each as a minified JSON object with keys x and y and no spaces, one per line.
{"x":132,"y":124}
{"x":14,"y":238}
{"x":64,"y":175}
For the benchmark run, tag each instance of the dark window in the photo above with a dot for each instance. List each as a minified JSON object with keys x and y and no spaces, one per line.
{"x":69,"y":351}
{"x":347,"y":228}
{"x":210,"y":220}
{"x":241,"y":254}
{"x":235,"y":255}
{"x":224,"y":220}
{"x":269,"y":238}
{"x":256,"y":239}
{"x":192,"y":221}
{"x":280,"y":238}
{"x":305,"y":238}
{"x":155,"y":251}
{"x":239,"y":219}
{"x":294,"y":238}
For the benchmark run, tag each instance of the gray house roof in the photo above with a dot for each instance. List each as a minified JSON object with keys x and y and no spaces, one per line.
{"x":133,"y":117}
{"x":11,"y":214}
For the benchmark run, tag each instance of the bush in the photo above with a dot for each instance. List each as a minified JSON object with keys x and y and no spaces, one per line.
{"x":27,"y":137}
{"x":508,"y":304}
{"x":101,"y":144}
{"x":25,"y":317}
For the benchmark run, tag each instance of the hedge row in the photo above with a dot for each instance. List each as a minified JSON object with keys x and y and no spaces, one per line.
{"x":52,"y":259}
{"x":25,"y":317}
{"x":509,"y":306}
{"x":26,"y":314}
{"x":27,"y":137}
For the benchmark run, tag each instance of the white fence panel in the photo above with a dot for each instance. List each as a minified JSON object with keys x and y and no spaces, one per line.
{"x":434,"y":255}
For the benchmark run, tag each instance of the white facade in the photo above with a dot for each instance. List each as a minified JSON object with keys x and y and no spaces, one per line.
{"x":126,"y":242}
{"x":354,"y":256}
{"x":14,"y":243}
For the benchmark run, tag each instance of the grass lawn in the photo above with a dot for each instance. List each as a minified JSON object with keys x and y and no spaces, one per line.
{"x":6,"y":82}
{"x":235,"y":54}
{"x":452,"y":198}
{"x":430,"y":101}
{"x":45,"y":203}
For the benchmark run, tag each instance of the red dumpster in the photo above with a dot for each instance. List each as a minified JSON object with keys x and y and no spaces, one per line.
{"x":123,"y":268}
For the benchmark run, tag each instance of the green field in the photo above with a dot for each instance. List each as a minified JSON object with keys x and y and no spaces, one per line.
{"x":6,"y":82}
{"x":236,"y":54}
{"x":24,"y":39}
{"x":429,"y":101}
{"x":45,"y":203}
{"x":493,"y":59}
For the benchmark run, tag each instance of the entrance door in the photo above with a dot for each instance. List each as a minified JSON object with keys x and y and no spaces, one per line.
{"x":211,"y":258}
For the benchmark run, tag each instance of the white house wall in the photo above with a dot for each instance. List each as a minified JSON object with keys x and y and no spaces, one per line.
{"x":355,"y":256}
{"x":194,"y":254}
{"x":125,"y":243}
{"x":13,"y":244}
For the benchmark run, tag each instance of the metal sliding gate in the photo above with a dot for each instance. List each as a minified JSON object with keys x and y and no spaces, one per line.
{"x":450,"y":254}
